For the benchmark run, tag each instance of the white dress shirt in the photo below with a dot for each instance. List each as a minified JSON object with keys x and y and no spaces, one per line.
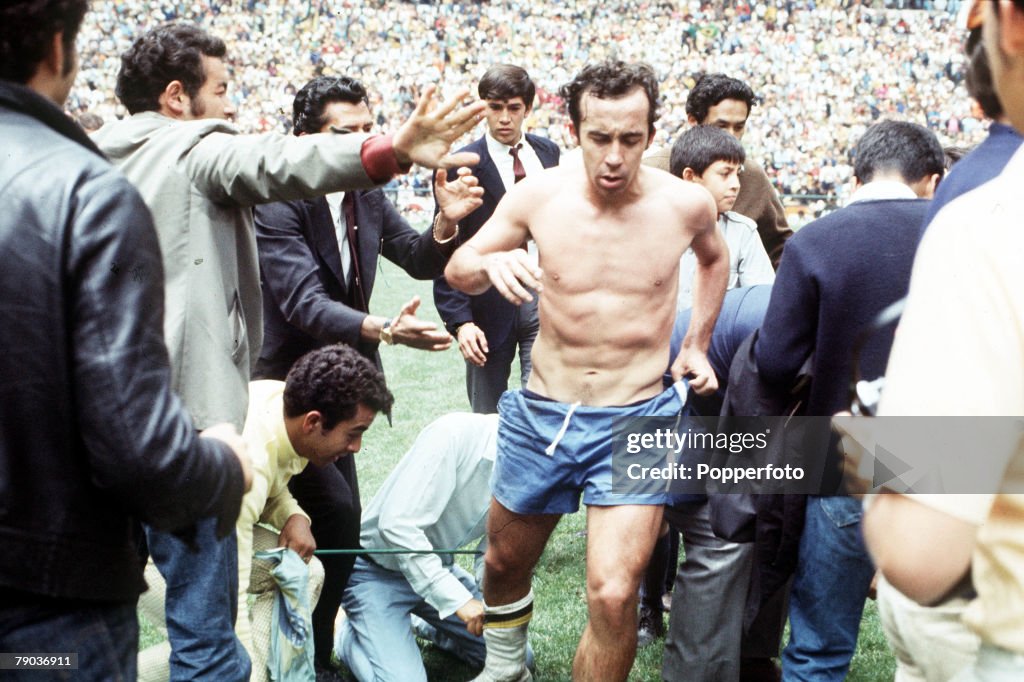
{"x":503,"y":160}
{"x":334,"y":200}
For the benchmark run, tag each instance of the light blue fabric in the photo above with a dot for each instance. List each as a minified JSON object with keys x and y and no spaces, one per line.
{"x":291,"y":628}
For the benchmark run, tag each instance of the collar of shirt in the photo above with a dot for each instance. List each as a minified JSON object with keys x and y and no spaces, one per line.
{"x":334,"y":200}
{"x":503,"y":160}
{"x":881,"y":190}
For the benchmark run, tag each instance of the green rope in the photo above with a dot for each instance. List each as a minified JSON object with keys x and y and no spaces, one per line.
{"x":396,"y":551}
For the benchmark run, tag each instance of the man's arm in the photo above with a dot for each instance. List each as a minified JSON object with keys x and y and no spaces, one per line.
{"x":423,"y":490}
{"x":759,"y":200}
{"x":249,"y":170}
{"x":142,"y":446}
{"x":924,"y":552}
{"x":790,"y":326}
{"x":709,"y":282}
{"x":492,"y":256}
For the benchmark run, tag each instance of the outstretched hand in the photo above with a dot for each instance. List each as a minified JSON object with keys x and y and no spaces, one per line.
{"x":460,"y":197}
{"x":693,"y":364}
{"x":426,"y":136}
{"x":409,"y":330}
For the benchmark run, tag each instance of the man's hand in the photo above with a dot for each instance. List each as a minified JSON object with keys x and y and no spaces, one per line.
{"x":409,"y":330}
{"x":459,"y":198}
{"x":472,"y":614}
{"x":512,"y":272}
{"x":426,"y":136}
{"x":473,"y":344}
{"x":297,"y":537}
{"x":693,"y":364}
{"x":854,"y":433}
{"x":227,"y":434}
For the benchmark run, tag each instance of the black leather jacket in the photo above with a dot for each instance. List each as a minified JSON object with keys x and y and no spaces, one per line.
{"x":90,"y":433}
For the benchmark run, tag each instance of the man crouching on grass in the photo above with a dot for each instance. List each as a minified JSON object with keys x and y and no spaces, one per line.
{"x":609,"y":235}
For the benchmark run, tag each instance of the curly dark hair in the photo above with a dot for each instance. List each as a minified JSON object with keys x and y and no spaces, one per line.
{"x":313,"y":98}
{"x":612,"y":78}
{"x":169,"y":52}
{"x":334,"y":381}
{"x":27,"y":29}
{"x":712,"y":88}
{"x":507,"y":81}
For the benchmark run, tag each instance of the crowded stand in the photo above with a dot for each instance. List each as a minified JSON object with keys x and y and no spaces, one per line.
{"x":821,"y":71}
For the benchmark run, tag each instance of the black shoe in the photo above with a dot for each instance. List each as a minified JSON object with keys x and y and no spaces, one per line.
{"x":650,"y":627}
{"x":759,"y":670}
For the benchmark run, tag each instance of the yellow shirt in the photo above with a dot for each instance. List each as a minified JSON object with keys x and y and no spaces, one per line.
{"x":274,"y":462}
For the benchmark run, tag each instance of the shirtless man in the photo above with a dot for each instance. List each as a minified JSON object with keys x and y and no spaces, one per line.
{"x":609,"y":236}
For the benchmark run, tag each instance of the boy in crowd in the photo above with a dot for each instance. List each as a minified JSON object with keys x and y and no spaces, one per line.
{"x":712,"y":158}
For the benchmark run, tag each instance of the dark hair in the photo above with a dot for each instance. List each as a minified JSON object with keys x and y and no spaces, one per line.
{"x":612,"y":78}
{"x":979,"y":77}
{"x":334,"y":381}
{"x":701,"y":146}
{"x":27,"y":29}
{"x":169,"y":52}
{"x":313,"y":98}
{"x":712,"y":88}
{"x":909,"y":149}
{"x":507,"y":81}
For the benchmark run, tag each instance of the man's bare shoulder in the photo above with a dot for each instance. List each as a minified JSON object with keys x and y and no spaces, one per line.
{"x":689,"y":198}
{"x":543,"y":185}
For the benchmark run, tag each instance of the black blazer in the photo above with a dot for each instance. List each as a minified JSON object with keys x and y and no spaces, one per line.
{"x":306,"y":301}
{"x":489,"y":310}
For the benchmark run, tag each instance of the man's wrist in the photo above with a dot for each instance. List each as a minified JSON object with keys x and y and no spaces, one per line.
{"x":387,"y":335}
{"x":443,"y":225}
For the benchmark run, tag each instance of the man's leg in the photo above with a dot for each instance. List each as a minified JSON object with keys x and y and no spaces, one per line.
{"x":709,"y":597}
{"x":619,"y":544}
{"x":527,"y":326}
{"x":201,"y":604}
{"x":330,"y":495}
{"x":375,"y":640}
{"x":515,"y":543}
{"x":484,"y":385}
{"x":831,"y":583}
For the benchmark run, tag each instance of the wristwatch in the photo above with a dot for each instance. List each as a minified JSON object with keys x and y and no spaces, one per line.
{"x":385,"y":333}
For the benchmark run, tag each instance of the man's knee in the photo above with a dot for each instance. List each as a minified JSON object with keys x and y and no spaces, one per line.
{"x":613,"y":600}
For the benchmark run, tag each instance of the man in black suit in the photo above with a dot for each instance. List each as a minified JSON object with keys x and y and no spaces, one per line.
{"x":489,"y":328}
{"x":318,"y":259}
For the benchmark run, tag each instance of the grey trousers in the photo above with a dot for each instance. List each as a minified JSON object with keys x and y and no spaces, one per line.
{"x":705,"y":630}
{"x":484,"y":385}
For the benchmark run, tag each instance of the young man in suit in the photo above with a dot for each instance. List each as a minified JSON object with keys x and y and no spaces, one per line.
{"x":318,"y":258}
{"x":487,"y":327}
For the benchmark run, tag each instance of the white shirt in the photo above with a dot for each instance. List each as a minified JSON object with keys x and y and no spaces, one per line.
{"x":334,"y":200}
{"x":503,"y":160}
{"x":748,"y":261}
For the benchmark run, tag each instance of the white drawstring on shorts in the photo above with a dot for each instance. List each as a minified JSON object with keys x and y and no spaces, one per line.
{"x":550,"y":450}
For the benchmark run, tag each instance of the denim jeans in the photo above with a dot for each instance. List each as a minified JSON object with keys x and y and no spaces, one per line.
{"x":376,"y":640}
{"x":105,"y":637}
{"x":832,"y":579}
{"x":201,"y":604}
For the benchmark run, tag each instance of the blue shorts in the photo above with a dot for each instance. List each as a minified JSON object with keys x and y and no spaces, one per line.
{"x":550,"y":452}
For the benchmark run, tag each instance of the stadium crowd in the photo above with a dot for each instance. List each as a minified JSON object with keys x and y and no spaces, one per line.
{"x":821,"y":70}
